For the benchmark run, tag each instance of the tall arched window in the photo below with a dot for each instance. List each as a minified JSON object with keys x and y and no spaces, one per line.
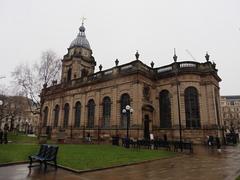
{"x":77,"y":114}
{"x":165,"y":109}
{"x":45,"y":116}
{"x":91,"y":113}
{"x":69,"y":74}
{"x":106,"y":112}
{"x":66,"y":115}
{"x":125,"y":100}
{"x":192,"y":108}
{"x":56,"y":115}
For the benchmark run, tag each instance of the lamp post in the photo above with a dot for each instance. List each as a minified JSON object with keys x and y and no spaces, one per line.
{"x":126,"y":112}
{"x":1,"y":115}
{"x":178,"y":99}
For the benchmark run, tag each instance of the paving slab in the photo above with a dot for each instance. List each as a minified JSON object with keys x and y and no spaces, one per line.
{"x":203,"y":164}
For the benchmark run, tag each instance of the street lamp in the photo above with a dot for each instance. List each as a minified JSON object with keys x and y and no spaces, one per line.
{"x":178,"y":99}
{"x":26,"y":126}
{"x":127,"y":111}
{"x":1,"y":115}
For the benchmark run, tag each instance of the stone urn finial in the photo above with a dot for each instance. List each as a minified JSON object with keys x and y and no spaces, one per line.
{"x":100,"y":67}
{"x":137,"y":55}
{"x":116,"y":62}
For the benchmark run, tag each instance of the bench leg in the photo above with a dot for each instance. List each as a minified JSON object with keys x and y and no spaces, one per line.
{"x":55,"y":163}
{"x":30,"y":161}
{"x":45,"y":165}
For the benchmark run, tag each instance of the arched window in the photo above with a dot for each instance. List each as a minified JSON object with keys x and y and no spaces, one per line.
{"x":125,"y":100}
{"x":66,"y":115}
{"x":77,"y":114}
{"x":106,"y":112}
{"x":165,"y":109}
{"x":69,"y":74}
{"x":192,"y":108}
{"x":45,"y":116}
{"x":56,"y":115}
{"x":91,"y":113}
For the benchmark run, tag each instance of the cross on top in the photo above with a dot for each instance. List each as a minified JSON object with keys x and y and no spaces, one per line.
{"x":83,"y":19}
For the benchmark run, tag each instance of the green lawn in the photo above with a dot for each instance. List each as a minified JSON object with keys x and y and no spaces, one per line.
{"x":98,"y":156}
{"x":83,"y":157}
{"x":78,"y":156}
{"x":16,"y":152}
{"x":21,"y":138}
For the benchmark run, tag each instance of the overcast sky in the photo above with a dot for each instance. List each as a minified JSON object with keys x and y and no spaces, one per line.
{"x":116,"y":29}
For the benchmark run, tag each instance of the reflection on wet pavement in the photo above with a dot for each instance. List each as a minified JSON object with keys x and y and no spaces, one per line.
{"x":203,"y":164}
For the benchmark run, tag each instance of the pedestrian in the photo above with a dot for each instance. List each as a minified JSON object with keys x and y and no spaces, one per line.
{"x":88,"y":137}
{"x":165,"y":137}
{"x":218,"y":144}
{"x":1,"y":136}
{"x":210,"y":141}
{"x":5,"y":133}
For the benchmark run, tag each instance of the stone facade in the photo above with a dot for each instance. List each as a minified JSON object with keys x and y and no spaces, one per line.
{"x":231,"y":112}
{"x":199,"y":109}
{"x":15,"y":112}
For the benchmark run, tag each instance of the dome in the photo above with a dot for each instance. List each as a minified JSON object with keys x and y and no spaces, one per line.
{"x":80,"y":40}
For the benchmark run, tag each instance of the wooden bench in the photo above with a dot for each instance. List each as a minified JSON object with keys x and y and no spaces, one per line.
{"x":47,"y":153}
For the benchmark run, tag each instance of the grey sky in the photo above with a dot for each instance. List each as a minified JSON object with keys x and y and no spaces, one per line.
{"x":116,"y":29}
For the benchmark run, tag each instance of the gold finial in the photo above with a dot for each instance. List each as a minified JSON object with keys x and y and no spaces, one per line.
{"x":83,"y":19}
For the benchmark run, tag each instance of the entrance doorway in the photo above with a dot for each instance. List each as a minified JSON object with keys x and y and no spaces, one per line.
{"x":146,"y":127}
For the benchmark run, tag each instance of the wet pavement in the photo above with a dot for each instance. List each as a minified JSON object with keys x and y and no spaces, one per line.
{"x":204,"y":164}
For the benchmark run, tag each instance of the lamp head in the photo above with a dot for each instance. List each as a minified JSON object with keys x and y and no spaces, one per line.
{"x":128,"y":107}
{"x":124,"y":111}
{"x":131,"y":110}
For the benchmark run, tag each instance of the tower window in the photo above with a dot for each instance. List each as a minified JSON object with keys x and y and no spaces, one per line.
{"x":69,"y":74}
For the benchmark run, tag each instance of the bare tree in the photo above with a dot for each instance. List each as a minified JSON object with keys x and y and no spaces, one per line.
{"x":31,"y":79}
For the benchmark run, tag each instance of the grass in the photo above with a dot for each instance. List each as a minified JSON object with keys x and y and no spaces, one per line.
{"x":16,"y":152}
{"x":78,"y":156}
{"x":21,"y":138}
{"x":98,"y":156}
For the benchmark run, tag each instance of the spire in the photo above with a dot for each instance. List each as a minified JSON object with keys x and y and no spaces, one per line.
{"x":175,"y":56}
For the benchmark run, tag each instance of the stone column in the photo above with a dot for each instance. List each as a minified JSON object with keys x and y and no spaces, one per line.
{"x":83,"y":110}
{"x":71,"y":112}
{"x":50,"y":114}
{"x":97,"y":109}
{"x":114,"y":121}
{"x":61,"y":108}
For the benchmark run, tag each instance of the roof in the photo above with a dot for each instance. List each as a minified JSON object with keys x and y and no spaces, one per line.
{"x":80,"y":40}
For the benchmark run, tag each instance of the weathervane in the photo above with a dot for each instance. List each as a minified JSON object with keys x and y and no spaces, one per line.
{"x":83,"y":19}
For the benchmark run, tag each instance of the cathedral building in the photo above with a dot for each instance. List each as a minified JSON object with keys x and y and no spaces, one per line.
{"x":178,"y":100}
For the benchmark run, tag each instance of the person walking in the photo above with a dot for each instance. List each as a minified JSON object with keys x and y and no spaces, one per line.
{"x":5,"y":133}
{"x":218,"y":144}
{"x":1,"y":136}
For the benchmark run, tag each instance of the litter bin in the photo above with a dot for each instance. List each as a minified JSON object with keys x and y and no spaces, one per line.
{"x":115,"y":140}
{"x":61,"y":136}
